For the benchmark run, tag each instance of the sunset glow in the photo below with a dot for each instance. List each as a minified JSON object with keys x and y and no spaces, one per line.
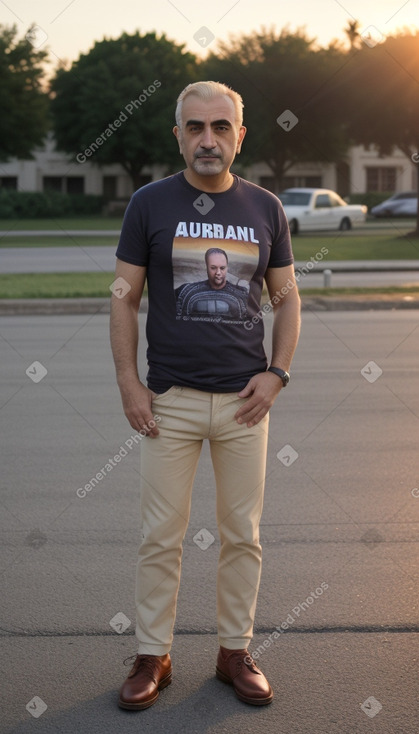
{"x":68,"y":28}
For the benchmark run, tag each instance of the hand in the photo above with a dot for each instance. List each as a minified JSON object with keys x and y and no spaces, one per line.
{"x":136,"y":400}
{"x":262,"y":390}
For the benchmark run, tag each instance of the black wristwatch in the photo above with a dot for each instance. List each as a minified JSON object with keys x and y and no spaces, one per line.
{"x":284,"y":376}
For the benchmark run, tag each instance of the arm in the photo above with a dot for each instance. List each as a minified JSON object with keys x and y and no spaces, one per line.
{"x":264,"y":387}
{"x":136,"y":397}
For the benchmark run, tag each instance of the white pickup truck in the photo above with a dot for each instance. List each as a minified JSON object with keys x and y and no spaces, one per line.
{"x":317,"y":209}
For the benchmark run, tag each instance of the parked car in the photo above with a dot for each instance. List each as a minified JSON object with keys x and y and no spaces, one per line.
{"x":313,"y":209}
{"x":404,"y":204}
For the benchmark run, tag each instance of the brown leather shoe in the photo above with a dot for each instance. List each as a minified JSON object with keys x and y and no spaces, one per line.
{"x":237,"y":668}
{"x":149,"y":674}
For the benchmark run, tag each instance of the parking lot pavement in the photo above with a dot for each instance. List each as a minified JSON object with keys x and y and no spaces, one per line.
{"x":89,"y":259}
{"x":339,"y":533}
{"x":351,"y":274}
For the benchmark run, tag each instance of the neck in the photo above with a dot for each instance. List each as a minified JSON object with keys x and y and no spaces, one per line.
{"x":211,"y":184}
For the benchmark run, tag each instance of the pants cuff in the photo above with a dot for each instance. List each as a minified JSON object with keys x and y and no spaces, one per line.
{"x":145,"y":649}
{"x":235,"y":643}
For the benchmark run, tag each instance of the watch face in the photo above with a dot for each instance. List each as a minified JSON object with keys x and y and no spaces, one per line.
{"x":280,"y":373}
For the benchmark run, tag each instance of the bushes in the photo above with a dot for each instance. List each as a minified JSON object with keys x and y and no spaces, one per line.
{"x":34,"y":205}
{"x":371,"y":198}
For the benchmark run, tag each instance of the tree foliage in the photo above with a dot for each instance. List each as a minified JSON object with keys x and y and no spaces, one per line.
{"x":275,"y":73}
{"x":381,"y":88}
{"x":24,"y":103}
{"x":352,"y":32}
{"x":134,"y":79}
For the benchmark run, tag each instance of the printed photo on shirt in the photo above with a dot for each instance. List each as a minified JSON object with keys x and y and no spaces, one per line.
{"x":212,"y":279}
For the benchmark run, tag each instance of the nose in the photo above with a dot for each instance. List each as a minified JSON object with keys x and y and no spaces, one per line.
{"x":207,"y":139}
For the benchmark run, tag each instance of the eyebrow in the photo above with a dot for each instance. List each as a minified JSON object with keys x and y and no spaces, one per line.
{"x":216,"y":122}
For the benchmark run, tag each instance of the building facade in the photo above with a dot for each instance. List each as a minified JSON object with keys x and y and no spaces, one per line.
{"x":362,"y":171}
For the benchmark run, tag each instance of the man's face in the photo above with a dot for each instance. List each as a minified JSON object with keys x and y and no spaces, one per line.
{"x":209,"y":136}
{"x":217,"y":270}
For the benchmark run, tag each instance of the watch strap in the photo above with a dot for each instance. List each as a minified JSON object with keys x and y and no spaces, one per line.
{"x":282,"y":374}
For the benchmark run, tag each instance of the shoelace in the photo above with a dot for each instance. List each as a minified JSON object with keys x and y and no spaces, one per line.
{"x":249,"y":662}
{"x":146,"y":662}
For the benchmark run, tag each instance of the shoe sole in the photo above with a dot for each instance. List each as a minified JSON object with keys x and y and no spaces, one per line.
{"x":146,"y":704}
{"x":246,"y":699}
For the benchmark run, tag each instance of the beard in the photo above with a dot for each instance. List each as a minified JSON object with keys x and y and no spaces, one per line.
{"x":208,"y":166}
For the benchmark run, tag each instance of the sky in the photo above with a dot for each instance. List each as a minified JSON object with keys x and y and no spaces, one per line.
{"x":70,"y":27}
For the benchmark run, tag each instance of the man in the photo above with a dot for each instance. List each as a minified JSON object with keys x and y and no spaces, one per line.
{"x":223,"y":394}
{"x":214,"y":296}
{"x":216,"y":261}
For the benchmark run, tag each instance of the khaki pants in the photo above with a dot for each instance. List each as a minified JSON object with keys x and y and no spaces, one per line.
{"x":168,"y":467}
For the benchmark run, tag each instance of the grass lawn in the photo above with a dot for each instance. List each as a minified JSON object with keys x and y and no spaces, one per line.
{"x":53,"y":241}
{"x":56,"y":285}
{"x":96,"y":285}
{"x":353,"y":246}
{"x":384,"y":244}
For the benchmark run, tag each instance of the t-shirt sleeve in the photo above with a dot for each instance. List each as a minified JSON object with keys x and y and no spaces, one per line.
{"x":281,"y":250}
{"x":132,"y":246}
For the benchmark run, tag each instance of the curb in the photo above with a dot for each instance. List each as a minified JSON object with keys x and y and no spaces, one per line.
{"x":69,"y":306}
{"x":373,"y":302}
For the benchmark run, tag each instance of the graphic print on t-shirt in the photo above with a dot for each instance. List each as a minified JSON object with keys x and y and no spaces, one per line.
{"x":212,"y":277}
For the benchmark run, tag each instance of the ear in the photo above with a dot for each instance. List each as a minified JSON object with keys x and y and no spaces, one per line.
{"x":242,"y":133}
{"x":178,"y":135}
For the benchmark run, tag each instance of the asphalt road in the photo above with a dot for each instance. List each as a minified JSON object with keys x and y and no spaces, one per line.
{"x":339,"y":532}
{"x":96,"y":259}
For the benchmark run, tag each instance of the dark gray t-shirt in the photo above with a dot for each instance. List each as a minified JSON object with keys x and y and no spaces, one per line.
{"x":200,"y":336}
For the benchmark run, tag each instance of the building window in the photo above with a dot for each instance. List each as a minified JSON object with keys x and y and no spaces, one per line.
{"x":52,"y":183}
{"x":109,"y":187}
{"x":290,"y":182}
{"x":380,"y":178}
{"x":267,"y":182}
{"x":8,"y":182}
{"x":74,"y":185}
{"x":64,"y":185}
{"x":310,"y":182}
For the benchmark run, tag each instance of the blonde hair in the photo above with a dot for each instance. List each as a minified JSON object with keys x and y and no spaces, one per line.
{"x":207,"y":91}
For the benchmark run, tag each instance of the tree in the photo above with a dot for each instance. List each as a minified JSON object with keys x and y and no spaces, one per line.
{"x":382,"y":86}
{"x":279,"y":73}
{"x":352,"y":31}
{"x":116,"y":103}
{"x":23,"y":101}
